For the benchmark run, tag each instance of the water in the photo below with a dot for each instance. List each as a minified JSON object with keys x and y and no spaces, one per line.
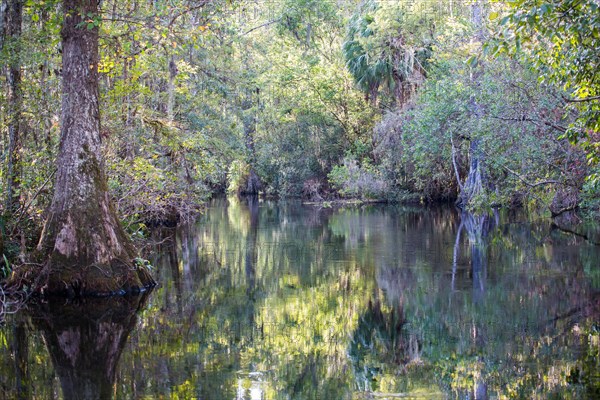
{"x":261,"y":300}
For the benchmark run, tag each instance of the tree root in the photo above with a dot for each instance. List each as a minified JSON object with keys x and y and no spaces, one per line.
{"x":41,"y":280}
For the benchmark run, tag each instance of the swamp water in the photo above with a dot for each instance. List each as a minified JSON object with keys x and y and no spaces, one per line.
{"x":261,"y":300}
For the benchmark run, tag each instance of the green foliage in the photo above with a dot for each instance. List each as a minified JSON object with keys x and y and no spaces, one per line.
{"x":237,"y":176}
{"x":562,"y":40}
{"x":424,"y":147}
{"x":358,"y":181}
{"x":388,"y":46}
{"x":309,"y":111}
{"x":194,"y":96}
{"x":308,"y":21}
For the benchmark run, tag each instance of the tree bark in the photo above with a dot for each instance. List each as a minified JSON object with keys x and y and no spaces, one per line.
{"x":11,"y":33}
{"x":473,"y":185}
{"x":89,"y":252}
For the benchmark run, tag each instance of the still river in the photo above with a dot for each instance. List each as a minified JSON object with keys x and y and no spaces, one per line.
{"x":266,"y":300}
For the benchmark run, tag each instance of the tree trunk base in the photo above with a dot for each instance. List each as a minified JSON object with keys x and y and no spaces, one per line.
{"x":49,"y":279}
{"x":253,"y":184}
{"x":85,"y":252}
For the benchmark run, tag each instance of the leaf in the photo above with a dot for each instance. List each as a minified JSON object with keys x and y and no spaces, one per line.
{"x":545,"y":8}
{"x":472,"y":61}
{"x":494,"y":15}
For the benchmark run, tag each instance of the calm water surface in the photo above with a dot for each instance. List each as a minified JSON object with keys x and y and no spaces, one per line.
{"x":260,"y":300}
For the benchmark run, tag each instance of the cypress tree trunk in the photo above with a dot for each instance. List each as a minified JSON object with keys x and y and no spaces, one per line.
{"x":89,"y":252}
{"x":474,"y":184}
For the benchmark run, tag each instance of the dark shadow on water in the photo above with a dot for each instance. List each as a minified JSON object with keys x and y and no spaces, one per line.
{"x":85,"y":341}
{"x":21,"y":355}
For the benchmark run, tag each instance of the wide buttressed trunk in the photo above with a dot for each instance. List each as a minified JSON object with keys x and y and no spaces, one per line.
{"x":89,"y":253}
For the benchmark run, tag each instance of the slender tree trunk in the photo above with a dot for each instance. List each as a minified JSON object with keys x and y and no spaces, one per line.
{"x":89,"y":252}
{"x":46,"y":88}
{"x":253,"y":183}
{"x":3,"y":8}
{"x":13,"y":18}
{"x":171,"y":89}
{"x":475,"y":182}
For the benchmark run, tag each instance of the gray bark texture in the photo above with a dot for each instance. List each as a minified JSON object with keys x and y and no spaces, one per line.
{"x":474,"y":184}
{"x":89,"y":252}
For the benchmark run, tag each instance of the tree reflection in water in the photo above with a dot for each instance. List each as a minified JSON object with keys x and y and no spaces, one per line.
{"x":85,"y":342}
{"x":279,"y":301}
{"x":478,"y":228}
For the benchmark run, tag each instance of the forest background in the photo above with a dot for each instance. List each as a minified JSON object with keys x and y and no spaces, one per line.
{"x":486,"y":104}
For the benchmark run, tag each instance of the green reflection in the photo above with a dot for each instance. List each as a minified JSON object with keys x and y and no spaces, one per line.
{"x":260,"y":300}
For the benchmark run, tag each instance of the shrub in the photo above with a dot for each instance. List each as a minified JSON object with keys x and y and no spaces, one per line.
{"x":354,"y":180}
